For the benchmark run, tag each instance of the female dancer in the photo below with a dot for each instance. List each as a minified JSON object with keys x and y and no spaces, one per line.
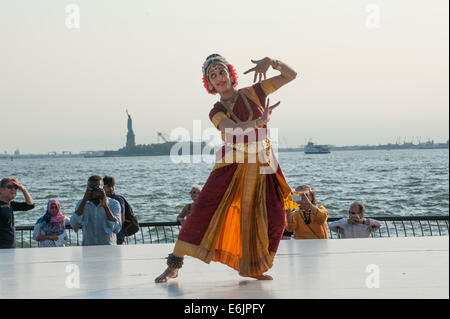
{"x":239,"y":216}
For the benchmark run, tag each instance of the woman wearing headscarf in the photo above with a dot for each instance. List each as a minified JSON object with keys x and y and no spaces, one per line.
{"x":239,"y":216}
{"x":50,"y":230}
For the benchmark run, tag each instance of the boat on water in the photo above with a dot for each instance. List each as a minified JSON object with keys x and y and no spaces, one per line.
{"x":312,"y":148}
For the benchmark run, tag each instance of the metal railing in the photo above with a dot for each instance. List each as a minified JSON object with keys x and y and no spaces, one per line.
{"x":167,"y":232}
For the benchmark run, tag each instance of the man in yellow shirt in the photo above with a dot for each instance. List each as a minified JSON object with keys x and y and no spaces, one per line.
{"x":310,"y":222}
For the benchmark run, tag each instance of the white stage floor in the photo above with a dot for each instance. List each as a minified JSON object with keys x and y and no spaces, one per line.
{"x":338,"y":268}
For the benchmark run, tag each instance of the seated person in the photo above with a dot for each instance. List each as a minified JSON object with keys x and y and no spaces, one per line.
{"x":97,"y":215}
{"x":50,"y":229}
{"x":310,"y":222}
{"x":195,"y":191}
{"x":355,"y":226}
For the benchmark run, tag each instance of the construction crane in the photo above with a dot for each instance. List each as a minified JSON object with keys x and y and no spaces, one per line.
{"x":162,"y":136}
{"x":285,"y":142}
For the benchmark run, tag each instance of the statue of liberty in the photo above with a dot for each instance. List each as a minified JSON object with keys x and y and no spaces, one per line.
{"x":130,"y":135}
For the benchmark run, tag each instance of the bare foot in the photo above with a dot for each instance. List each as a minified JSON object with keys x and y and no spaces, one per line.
{"x":260,"y":277}
{"x":166,"y":275}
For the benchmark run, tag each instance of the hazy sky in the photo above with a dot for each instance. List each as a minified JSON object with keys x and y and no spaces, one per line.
{"x":368,"y":71}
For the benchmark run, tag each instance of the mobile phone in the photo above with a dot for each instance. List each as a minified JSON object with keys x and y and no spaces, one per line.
{"x":297,"y":196}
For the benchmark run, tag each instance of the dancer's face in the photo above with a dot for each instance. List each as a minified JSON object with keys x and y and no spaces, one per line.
{"x":220,"y":78}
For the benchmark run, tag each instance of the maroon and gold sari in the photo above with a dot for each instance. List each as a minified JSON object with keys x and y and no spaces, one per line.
{"x":239,"y":216}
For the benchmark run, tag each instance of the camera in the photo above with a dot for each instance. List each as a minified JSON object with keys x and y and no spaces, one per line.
{"x":97,"y":192}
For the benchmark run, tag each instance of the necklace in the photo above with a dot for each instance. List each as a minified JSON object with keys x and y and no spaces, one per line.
{"x":235,"y":93}
{"x":228,"y":107}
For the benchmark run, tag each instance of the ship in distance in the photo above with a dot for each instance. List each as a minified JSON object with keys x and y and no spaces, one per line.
{"x":312,"y":148}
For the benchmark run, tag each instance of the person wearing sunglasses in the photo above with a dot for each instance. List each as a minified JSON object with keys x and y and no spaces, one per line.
{"x":8,"y":192}
{"x":356,"y":225}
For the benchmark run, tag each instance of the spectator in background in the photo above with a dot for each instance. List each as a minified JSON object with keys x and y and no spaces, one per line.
{"x":310,"y":221}
{"x":355,"y":226}
{"x":8,"y":192}
{"x":110,"y":190}
{"x":98,"y":215}
{"x":50,"y":229}
{"x":195,"y":191}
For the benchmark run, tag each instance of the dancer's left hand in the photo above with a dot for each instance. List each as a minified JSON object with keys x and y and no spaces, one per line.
{"x":265,"y":117}
{"x":260,"y":69}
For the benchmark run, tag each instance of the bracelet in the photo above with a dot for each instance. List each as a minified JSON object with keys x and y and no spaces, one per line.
{"x":277,"y":65}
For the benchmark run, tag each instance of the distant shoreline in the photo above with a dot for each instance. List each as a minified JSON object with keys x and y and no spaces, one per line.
{"x":388,"y":147}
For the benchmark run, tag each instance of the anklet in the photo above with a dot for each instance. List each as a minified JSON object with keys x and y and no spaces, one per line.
{"x":174,"y":261}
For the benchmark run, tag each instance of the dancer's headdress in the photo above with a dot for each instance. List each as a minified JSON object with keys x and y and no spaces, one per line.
{"x":215,"y":59}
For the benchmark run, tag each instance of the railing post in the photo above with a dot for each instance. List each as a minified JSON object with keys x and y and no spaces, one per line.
{"x":412,"y":226}
{"x":421,"y":228}
{"x":165,"y":235}
{"x":150,"y":233}
{"x":173,"y":237}
{"x":439,"y":228}
{"x":157,"y":234}
{"x":404,"y":228}
{"x":429,"y":225}
{"x":396,"y":232}
{"x":387,"y":228}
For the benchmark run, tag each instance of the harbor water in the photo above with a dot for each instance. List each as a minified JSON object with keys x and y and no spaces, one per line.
{"x":390,"y":183}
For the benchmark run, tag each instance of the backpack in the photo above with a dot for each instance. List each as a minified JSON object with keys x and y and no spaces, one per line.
{"x":131,"y":223}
